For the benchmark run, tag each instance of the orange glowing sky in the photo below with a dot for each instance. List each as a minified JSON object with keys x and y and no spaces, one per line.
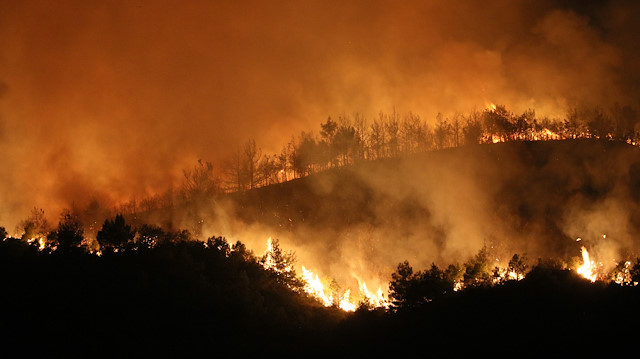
{"x":113,"y":99}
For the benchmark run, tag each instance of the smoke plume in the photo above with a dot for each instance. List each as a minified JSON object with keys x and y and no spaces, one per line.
{"x":111,"y":100}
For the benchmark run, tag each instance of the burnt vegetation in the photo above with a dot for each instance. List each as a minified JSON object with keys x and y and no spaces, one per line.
{"x":146,"y":286}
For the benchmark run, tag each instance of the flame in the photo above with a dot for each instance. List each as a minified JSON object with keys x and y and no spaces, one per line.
{"x":345,"y":304}
{"x":547,"y":134}
{"x":588,"y":268}
{"x":42,"y":242}
{"x":269,"y":261}
{"x":515,"y":276}
{"x":315,"y":288}
{"x":376,"y":300}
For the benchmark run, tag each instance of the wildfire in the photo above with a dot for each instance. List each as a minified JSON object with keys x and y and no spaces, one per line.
{"x":588,"y":269}
{"x":314,"y":286}
{"x":269,"y":262}
{"x":546,"y":134}
{"x":504,"y":274}
{"x":376,"y":300}
{"x":346,"y":304}
{"x":42,"y":242}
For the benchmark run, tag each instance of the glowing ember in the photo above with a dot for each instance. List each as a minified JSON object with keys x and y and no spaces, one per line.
{"x":588,"y":268}
{"x":623,"y":277}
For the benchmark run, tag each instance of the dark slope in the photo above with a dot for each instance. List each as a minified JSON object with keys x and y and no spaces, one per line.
{"x":184,"y":300}
{"x":538,"y":195}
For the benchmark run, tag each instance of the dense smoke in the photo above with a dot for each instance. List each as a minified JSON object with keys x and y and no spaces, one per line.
{"x":111,"y":101}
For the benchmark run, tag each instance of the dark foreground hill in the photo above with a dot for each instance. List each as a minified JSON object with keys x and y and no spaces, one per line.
{"x":184,"y":300}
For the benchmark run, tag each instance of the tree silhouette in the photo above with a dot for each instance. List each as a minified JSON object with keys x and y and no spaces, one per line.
{"x":199,"y":182}
{"x":377,"y":138}
{"x":434,"y":284}
{"x":517,"y":266}
{"x":306,"y":154}
{"x":149,"y":236}
{"x":115,"y":234}
{"x":69,"y":234}
{"x":498,"y":122}
{"x":220,"y":244}
{"x":345,"y":142}
{"x":472,"y":131}
{"x":442,"y":132}
{"x":478,"y":271}
{"x":400,"y":287}
{"x":408,"y":289}
{"x":251,"y":155}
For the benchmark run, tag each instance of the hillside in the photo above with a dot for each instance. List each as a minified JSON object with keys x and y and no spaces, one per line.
{"x":356,"y":223}
{"x":532,"y":197}
{"x":351,"y":224}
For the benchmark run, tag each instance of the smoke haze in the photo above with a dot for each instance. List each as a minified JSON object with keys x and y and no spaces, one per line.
{"x":112,"y":100}
{"x":531,"y":198}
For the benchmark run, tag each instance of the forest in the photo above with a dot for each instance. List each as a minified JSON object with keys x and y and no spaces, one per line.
{"x":145,"y":278}
{"x":351,"y":139}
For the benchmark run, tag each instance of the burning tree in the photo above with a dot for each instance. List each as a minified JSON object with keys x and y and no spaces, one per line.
{"x":517,"y":267}
{"x":281,"y":263}
{"x":35,"y":227}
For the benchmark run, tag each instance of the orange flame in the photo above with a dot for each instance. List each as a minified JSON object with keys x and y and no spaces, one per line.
{"x":588,"y":267}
